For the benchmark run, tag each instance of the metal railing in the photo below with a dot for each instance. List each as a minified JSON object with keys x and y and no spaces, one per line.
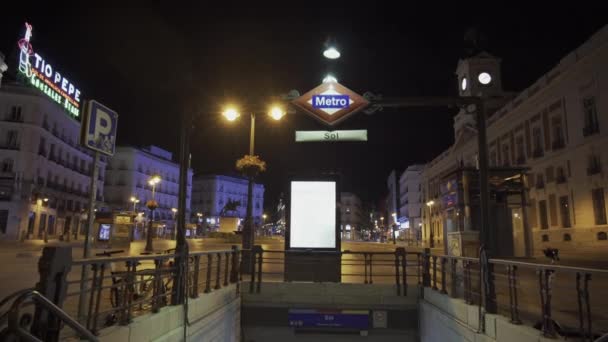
{"x":121,"y":288}
{"x":557,"y":300}
{"x":17,"y":323}
{"x":355,"y":267}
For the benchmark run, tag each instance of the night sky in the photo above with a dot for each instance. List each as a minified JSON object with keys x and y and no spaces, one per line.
{"x":149,"y":63}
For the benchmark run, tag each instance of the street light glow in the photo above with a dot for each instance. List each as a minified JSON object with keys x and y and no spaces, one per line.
{"x":154,"y":180}
{"x":331,"y":53}
{"x":231,"y":114}
{"x":330,"y":79}
{"x":199,"y":214}
{"x":430,"y":203}
{"x":276,"y":113}
{"x":45,"y":199}
{"x":174,"y":210}
{"x":264,"y":216}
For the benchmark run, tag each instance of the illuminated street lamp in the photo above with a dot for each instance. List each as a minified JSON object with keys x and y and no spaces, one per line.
{"x":331,"y":53}
{"x":431,"y":232}
{"x":134,"y":200}
{"x":174,"y":211}
{"x":151,"y":204}
{"x":394,"y":226}
{"x":231,"y":114}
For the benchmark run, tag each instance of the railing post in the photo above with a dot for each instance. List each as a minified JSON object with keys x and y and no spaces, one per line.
{"x":487,"y":274}
{"x":156,"y":283}
{"x":197,"y":265}
{"x":512,"y":274}
{"x":402,"y":257}
{"x":208,"y":280}
{"x":544,"y":278}
{"x":218,"y":272}
{"x":467,"y":282}
{"x":434,"y":272}
{"x":97,"y":301}
{"x":426,"y":265}
{"x":397,"y":277}
{"x":227,"y":264}
{"x":365,"y":267}
{"x":453,"y":278}
{"x":371,"y":270}
{"x":94,"y":282}
{"x":53,"y":267}
{"x":234,"y":273}
{"x":125,"y":312}
{"x":443,"y":261}
{"x":260,"y":252}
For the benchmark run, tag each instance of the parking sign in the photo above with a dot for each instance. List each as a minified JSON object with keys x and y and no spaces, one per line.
{"x":99,"y":125}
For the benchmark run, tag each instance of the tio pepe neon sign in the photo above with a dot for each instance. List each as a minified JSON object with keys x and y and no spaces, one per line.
{"x":43,"y":76}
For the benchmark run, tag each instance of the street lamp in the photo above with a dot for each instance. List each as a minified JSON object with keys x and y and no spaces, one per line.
{"x":394,"y":215}
{"x":431,"y":230}
{"x":134,"y":200}
{"x":151,"y":204}
{"x":331,"y":53}
{"x":231,"y":114}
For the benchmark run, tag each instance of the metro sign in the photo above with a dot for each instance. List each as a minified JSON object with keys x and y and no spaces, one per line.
{"x":331,"y":103}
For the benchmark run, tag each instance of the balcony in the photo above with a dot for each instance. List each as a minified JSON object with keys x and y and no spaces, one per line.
{"x":591,"y":129}
{"x":13,"y":147}
{"x":558,"y":144}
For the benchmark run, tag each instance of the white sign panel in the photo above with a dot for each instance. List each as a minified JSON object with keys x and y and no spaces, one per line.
{"x":313,"y":214}
{"x":352,"y":135}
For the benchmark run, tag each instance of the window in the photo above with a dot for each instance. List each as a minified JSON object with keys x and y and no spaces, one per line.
{"x":599,"y":206}
{"x":560,"y":175}
{"x":15,"y":114}
{"x":537,"y":142}
{"x":521,"y":154}
{"x":540,"y":181}
{"x":592,"y":125}
{"x":7,"y":165}
{"x":12,"y":139}
{"x":594,"y":165}
{"x":545,"y":238}
{"x":602,"y":236}
{"x":567,"y":237}
{"x":550,"y":173}
{"x":542,"y":211}
{"x":3,"y":220}
{"x":42,"y":147}
{"x":564,"y":210}
{"x":493,"y":158}
{"x":558,"y":133}
{"x":51,"y":225}
{"x":506,"y":161}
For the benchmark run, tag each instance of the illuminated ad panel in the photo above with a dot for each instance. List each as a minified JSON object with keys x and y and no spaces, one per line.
{"x":45,"y":77}
{"x":313,"y":214}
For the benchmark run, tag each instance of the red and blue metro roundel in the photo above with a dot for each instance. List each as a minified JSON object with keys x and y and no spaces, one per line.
{"x":331,"y":103}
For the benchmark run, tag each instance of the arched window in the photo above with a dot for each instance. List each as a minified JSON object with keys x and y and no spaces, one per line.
{"x":602,"y":236}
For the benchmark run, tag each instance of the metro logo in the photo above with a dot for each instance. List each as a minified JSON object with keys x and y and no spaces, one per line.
{"x":330,"y":101}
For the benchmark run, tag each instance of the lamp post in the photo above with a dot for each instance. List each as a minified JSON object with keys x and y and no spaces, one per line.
{"x":151,"y":204}
{"x":382,"y":225}
{"x":231,"y":114}
{"x":174,"y":211}
{"x":199,"y":217}
{"x":431,"y":232}
{"x":46,"y":229}
{"x":394,"y":225}
{"x":134,"y":200}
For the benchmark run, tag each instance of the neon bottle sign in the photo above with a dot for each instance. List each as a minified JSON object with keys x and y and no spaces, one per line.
{"x":43,"y":76}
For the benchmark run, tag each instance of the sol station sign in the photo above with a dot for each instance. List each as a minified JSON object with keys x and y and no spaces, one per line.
{"x":331,"y":103}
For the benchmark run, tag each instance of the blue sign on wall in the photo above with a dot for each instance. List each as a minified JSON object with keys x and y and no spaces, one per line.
{"x":99,"y":128}
{"x":344,"y":319}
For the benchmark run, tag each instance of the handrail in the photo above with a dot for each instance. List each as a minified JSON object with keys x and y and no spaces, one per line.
{"x":13,"y":317}
{"x":552,"y":266}
{"x":142,"y":257}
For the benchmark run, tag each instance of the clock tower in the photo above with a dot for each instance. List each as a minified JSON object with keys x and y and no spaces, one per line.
{"x":477,"y":75}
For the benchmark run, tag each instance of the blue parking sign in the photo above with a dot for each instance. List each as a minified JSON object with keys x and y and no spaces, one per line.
{"x":99,"y":128}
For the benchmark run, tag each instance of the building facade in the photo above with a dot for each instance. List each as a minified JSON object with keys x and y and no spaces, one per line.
{"x":546,"y":157}
{"x":351,"y":215}
{"x":212,"y":195}
{"x":45,"y":173}
{"x":410,"y":210}
{"x":127,"y":176}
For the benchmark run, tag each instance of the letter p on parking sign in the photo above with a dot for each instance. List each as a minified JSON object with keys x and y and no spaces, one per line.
{"x":98,"y":130}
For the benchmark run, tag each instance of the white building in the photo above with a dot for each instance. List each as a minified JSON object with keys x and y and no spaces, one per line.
{"x":211,"y":193}
{"x":351,"y":215}
{"x":44,"y":179}
{"x":128,"y":173}
{"x":410,"y":210}
{"x":547,"y":155}
{"x":392,"y":199}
